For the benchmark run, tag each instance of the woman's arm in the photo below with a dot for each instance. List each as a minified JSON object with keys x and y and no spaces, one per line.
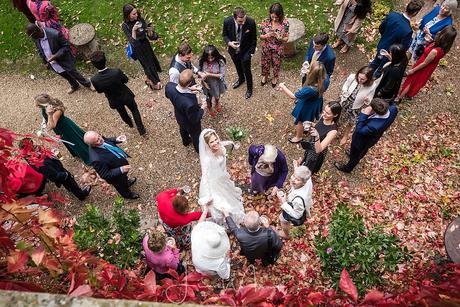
{"x":204,"y":214}
{"x":431,"y":56}
{"x":320,"y":146}
{"x":288,"y":92}
{"x":53,"y":119}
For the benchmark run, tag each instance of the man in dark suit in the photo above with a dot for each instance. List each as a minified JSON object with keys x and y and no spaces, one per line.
{"x":320,"y":51}
{"x":186,"y":108}
{"x":372,"y":123}
{"x":112,"y":82}
{"x":395,"y":29}
{"x":110,"y":162}
{"x":53,"y":170}
{"x":240,"y":35}
{"x":54,"y":50}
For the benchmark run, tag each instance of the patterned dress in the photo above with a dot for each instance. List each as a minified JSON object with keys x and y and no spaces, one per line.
{"x":217,"y":86}
{"x":272,"y":47}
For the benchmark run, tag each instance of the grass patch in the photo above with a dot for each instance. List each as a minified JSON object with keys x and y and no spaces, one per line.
{"x":198,"y":21}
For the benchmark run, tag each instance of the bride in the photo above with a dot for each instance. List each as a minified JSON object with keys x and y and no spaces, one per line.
{"x":215,"y":180}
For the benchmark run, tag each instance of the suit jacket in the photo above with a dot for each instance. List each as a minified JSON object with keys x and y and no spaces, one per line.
{"x":254,"y":245}
{"x":106,"y":164}
{"x":53,"y":170}
{"x":248,"y":37}
{"x":395,"y":29}
{"x":112,"y":82}
{"x":59,"y":46}
{"x":327,"y":57}
{"x":369,"y":130}
{"x":186,"y":109}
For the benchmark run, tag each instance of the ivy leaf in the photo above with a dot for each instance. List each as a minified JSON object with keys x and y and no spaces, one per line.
{"x":373,"y":296}
{"x":47,"y":216}
{"x":37,"y":255}
{"x":83,"y":290}
{"x":17,"y":261}
{"x":150,"y":284}
{"x":347,"y":285}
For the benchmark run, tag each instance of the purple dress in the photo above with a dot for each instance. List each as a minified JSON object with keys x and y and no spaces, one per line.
{"x":261,"y":183}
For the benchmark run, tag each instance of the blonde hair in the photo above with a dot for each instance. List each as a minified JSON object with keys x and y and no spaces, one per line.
{"x":43,"y":100}
{"x":317,"y":76}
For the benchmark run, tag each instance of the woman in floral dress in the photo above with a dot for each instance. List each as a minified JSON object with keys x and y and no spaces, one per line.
{"x":274,"y":32}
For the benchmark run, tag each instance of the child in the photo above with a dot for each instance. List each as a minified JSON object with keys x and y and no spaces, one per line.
{"x":213,"y":64}
{"x":161,"y":255}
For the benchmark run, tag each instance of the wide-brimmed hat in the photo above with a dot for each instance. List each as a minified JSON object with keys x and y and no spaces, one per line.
{"x":270,"y":153}
{"x":210,"y":240}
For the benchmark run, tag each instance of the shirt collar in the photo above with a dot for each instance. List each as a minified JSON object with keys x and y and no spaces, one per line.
{"x":178,"y":60}
{"x":182,"y":90}
{"x":407,"y":17}
{"x":101,"y":70}
{"x":384,"y":116}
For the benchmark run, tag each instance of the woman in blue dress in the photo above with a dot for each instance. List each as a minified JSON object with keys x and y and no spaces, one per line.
{"x":308,"y":100}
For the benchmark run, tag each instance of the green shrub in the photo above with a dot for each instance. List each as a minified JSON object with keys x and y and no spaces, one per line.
{"x":117,"y":240}
{"x":366,"y":253}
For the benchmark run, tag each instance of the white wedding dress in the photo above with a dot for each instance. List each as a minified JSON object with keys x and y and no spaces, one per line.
{"x":216,"y":184}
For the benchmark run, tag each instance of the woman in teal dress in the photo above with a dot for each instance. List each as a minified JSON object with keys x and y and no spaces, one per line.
{"x":308,"y":100}
{"x":53,"y":113}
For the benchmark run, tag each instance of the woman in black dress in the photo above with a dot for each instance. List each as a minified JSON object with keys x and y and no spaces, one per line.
{"x":321,"y":135}
{"x":138,"y":33}
{"x":393,"y":73}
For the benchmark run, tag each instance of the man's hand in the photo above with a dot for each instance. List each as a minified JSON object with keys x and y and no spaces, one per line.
{"x":121,"y":138}
{"x":232,"y":45}
{"x":368,"y":110}
{"x":202,"y":75}
{"x":125,"y":168}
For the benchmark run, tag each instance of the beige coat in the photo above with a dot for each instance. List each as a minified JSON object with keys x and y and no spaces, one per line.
{"x":355,"y":24}
{"x":365,"y":91}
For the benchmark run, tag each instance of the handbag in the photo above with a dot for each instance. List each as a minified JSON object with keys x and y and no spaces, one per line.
{"x":130,"y":52}
{"x":310,"y":156}
{"x":294,"y":221}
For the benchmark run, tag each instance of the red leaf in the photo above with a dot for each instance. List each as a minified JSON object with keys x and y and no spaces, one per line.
{"x":150,"y":284}
{"x":5,"y":241}
{"x":193,"y":277}
{"x":17,"y":261}
{"x":373,"y":296}
{"x":347,"y":285}
{"x":83,"y":290}
{"x":37,"y":255}
{"x":19,"y":286}
{"x":316,"y":297}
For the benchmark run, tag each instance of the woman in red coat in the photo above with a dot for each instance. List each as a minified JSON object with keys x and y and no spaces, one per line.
{"x":174,"y":212}
{"x":421,"y":72}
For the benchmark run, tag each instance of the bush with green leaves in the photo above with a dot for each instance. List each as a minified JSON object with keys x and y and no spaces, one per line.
{"x":117,"y":240}
{"x":366,"y":253}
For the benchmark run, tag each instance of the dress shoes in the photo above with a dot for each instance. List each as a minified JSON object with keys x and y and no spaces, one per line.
{"x":86,"y":192}
{"x":248,"y":94}
{"x":341,"y":167}
{"x":132,"y":181}
{"x":237,"y":84}
{"x":72,"y":90}
{"x":132,"y":196}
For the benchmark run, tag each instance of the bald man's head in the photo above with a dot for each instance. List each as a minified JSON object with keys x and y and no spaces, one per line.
{"x":92,"y":138}
{"x":185,"y":78}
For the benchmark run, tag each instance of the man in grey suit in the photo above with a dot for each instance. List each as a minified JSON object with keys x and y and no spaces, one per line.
{"x":54,"y":50}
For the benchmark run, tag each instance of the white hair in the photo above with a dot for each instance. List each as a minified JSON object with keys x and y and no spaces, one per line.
{"x":252,"y":220}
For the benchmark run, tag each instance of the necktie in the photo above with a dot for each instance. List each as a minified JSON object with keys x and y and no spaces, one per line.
{"x":119,"y":153}
{"x":238,"y":34}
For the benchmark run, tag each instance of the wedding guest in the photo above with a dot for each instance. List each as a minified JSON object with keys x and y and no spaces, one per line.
{"x":257,"y":240}
{"x":422,"y":70}
{"x":213,"y":64}
{"x":216,"y":183}
{"x":187,"y":111}
{"x":274,"y":32}
{"x":240,"y":35}
{"x":433,"y":22}
{"x":373,"y":121}
{"x":52,"y":110}
{"x":395,"y":29}
{"x":308,"y":100}
{"x":175,"y":215}
{"x":112,"y":82}
{"x":268,"y":168}
{"x":21,"y":6}
{"x":357,"y":92}
{"x":55,"y":52}
{"x":181,"y":61}
{"x":392,"y":73}
{"x":138,"y":33}
{"x":210,"y":248}
{"x":53,"y":170}
{"x":349,"y":20}
{"x":322,"y":134}
{"x":320,"y":51}
{"x":110,"y":162}
{"x":161,"y":256}
{"x":296,"y":207}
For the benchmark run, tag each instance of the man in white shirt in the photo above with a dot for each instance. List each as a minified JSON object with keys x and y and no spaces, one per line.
{"x":54,"y":50}
{"x":183,"y":60}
